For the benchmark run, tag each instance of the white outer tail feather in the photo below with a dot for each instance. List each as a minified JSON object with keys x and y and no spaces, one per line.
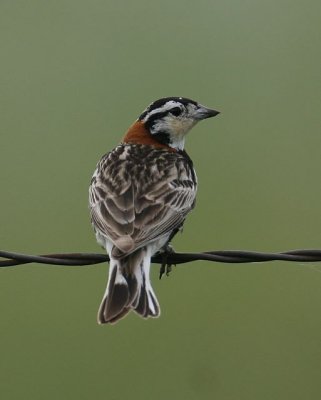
{"x":129,"y":288}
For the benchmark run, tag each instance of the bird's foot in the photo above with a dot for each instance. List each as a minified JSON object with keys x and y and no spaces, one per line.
{"x":166,"y":267}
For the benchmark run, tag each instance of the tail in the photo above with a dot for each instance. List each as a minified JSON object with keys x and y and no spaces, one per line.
{"x":129,"y":288}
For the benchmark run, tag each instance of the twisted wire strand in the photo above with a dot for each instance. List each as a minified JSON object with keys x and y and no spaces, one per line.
{"x":224,"y":256}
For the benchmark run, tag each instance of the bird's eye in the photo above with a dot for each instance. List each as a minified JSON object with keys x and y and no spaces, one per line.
{"x":176,"y":111}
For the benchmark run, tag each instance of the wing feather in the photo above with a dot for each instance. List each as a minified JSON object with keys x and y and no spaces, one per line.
{"x":132,"y":209}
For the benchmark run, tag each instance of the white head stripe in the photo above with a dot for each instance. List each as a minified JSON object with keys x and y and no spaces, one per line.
{"x":165,"y":107}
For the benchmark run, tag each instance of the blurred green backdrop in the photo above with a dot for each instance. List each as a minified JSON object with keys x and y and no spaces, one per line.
{"x":74,"y":75}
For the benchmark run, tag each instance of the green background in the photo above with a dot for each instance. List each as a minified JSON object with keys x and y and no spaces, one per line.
{"x":74,"y":75}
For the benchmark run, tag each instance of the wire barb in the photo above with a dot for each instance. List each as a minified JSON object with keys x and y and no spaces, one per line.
{"x":224,"y":256}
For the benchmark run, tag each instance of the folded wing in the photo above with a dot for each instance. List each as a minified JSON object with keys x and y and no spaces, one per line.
{"x":144,"y":199}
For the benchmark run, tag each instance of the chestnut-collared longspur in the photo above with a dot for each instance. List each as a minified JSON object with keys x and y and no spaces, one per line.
{"x":139,"y":197}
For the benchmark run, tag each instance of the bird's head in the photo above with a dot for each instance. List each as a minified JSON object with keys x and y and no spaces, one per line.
{"x":166,"y":122}
{"x":169,"y":119}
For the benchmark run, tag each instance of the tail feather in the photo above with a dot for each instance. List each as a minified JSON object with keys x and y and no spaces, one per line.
{"x":116,"y":296}
{"x":129,"y":288}
{"x":148,"y":305}
{"x":147,"y":301}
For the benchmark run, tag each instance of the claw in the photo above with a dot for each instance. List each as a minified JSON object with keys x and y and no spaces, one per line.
{"x":165,"y":268}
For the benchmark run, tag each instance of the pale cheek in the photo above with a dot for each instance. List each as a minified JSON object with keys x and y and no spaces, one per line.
{"x":181,"y":127}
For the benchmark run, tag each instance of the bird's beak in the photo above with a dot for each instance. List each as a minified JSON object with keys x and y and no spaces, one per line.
{"x":204,"y":112}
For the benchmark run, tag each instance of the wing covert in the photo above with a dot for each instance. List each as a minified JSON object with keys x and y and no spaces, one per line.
{"x":138,"y":195}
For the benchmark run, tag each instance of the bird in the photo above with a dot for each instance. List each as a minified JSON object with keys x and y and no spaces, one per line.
{"x":139,"y":197}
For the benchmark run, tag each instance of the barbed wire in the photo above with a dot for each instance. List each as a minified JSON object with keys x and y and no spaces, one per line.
{"x":223,"y":256}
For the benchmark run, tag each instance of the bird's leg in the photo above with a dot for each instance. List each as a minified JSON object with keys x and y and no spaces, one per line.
{"x":166,"y":267}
